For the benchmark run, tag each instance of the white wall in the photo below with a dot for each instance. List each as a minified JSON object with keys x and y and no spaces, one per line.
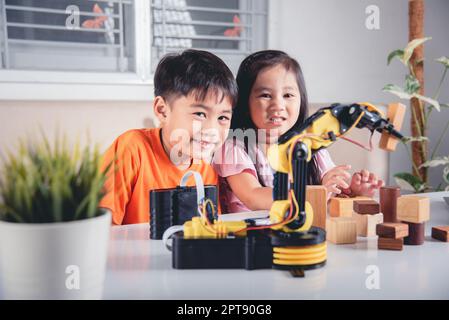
{"x":343,"y":61}
{"x":102,"y":121}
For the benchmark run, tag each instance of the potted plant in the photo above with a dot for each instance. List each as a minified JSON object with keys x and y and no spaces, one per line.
{"x":53,"y":236}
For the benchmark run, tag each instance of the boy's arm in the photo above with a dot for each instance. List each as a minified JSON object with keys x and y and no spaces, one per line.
{"x":119,"y":181}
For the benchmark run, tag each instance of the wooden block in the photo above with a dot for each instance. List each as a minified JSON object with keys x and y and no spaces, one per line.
{"x":317,"y":197}
{"x":366,"y":206}
{"x":414,"y":209}
{"x":388,"y":202}
{"x":441,"y":233}
{"x":390,"y":244}
{"x":416,"y":234}
{"x":392,"y":230}
{"x":366,"y":223}
{"x":341,"y":230}
{"x":341,"y":207}
{"x":395,"y":115}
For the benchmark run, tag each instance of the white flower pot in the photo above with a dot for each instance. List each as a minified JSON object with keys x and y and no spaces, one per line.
{"x":54,"y":260}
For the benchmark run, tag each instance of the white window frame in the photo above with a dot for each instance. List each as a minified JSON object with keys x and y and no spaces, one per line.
{"x":251,"y":8}
{"x":28,"y":85}
{"x":70,"y":85}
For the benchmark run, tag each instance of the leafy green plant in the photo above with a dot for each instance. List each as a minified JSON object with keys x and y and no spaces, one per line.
{"x":409,"y":90}
{"x":440,"y":161}
{"x":41,"y":183}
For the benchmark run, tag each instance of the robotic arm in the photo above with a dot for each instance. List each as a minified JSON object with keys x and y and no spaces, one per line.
{"x":294,"y":150}
{"x":290,"y":212}
{"x":288,"y":241}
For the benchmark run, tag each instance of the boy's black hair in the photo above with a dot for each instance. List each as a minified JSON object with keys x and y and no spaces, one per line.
{"x":249,"y":69}
{"x":194,"y":72}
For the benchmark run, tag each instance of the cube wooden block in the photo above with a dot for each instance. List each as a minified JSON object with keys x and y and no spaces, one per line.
{"x":390,"y":244}
{"x":343,"y":207}
{"x":341,"y":230}
{"x":340,"y":207}
{"x":441,"y":233}
{"x":366,"y":223}
{"x":413,"y":209}
{"x":366,"y":206}
{"x":317,"y":197}
{"x":392,"y":230}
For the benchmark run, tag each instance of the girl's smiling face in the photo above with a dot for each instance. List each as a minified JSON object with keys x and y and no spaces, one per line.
{"x":274,"y":101}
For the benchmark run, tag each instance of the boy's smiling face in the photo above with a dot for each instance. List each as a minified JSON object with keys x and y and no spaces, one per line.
{"x":193,"y":129}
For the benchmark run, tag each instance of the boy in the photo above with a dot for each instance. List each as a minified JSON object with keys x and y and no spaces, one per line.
{"x":194,"y":95}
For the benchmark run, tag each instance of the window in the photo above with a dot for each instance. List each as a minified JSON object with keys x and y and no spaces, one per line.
{"x":231,"y":29}
{"x":61,"y":43}
{"x":67,"y":35}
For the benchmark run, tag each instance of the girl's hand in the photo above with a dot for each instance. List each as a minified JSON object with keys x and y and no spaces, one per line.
{"x":337,"y":179}
{"x":363,"y":183}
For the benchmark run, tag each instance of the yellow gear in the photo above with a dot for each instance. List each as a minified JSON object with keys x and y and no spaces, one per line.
{"x":300,"y":256}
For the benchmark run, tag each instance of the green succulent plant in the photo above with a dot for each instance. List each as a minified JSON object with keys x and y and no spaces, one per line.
{"x":41,"y":183}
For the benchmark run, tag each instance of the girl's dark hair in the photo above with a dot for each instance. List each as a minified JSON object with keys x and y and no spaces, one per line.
{"x":249,"y":69}
{"x":194,"y":71}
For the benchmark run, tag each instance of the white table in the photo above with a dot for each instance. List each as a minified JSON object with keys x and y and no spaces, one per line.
{"x":139,"y":268}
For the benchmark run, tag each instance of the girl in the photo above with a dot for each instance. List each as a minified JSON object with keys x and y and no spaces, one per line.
{"x":272,"y":101}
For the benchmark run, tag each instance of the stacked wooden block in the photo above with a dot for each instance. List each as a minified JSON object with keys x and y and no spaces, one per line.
{"x":341,"y":230}
{"x":414,"y":211}
{"x":367,"y":215}
{"x":397,"y":220}
{"x":404,"y":217}
{"x":388,"y":197}
{"x":341,"y":227}
{"x":344,"y":224}
{"x":391,"y":235}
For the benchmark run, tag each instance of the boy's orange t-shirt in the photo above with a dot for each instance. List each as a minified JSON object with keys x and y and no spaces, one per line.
{"x":141,"y":164}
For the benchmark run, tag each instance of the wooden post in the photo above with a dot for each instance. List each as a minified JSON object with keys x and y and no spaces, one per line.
{"x":416,"y":30}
